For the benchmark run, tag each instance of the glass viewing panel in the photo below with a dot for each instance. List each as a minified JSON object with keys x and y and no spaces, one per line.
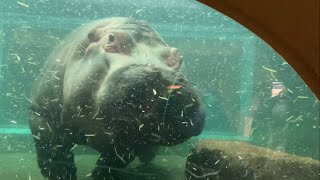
{"x":250,"y":93}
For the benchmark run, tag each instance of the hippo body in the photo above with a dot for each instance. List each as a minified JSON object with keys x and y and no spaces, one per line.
{"x":113,"y":85}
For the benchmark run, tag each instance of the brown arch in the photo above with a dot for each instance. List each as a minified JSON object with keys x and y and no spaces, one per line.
{"x":290,"y":27}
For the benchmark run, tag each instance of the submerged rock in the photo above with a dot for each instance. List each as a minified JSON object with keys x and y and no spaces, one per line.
{"x":225,"y":160}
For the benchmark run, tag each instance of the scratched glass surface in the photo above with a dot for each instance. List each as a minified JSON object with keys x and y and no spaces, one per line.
{"x":248,"y":91}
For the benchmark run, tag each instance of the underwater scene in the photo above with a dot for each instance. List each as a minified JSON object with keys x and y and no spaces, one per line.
{"x":163,"y":90}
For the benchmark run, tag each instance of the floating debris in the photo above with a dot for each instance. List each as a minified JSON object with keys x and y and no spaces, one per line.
{"x":164,"y":98}
{"x":80,"y":109}
{"x":21,"y":160}
{"x":56,"y":77}
{"x":23,"y":4}
{"x":189,"y":105}
{"x":154,"y":91}
{"x":108,"y":133}
{"x":27,"y":99}
{"x":36,"y":137}
{"x":90,"y":135}
{"x":156,"y":135}
{"x":289,"y":118}
{"x":16,"y":55}
{"x":290,"y":90}
{"x":173,"y":87}
{"x":299,"y":118}
{"x":140,"y":126}
{"x":121,"y":158}
{"x":38,"y":114}
{"x":269,"y":69}
{"x":49,"y":127}
{"x":94,"y":116}
{"x":75,"y":145}
{"x":22,"y":68}
{"x":32,"y":63}
{"x":300,"y":97}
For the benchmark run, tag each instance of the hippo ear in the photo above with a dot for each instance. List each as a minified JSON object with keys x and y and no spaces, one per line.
{"x":173,"y":58}
{"x":93,"y":36}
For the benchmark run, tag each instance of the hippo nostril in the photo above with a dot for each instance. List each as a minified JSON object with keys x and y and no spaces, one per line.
{"x":111,"y":38}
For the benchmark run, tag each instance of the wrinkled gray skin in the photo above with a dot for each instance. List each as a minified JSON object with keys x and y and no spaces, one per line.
{"x":113,"y":85}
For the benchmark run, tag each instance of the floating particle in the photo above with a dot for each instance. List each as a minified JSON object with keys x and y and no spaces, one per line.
{"x":141,"y":126}
{"x":164,"y":98}
{"x":20,"y":160}
{"x":189,"y":105}
{"x":23,"y":4}
{"x":96,"y":113}
{"x":289,"y":118}
{"x":73,"y":147}
{"x":22,"y":68}
{"x":28,"y":99}
{"x":16,"y":55}
{"x":173,"y":87}
{"x":302,"y":97}
{"x":121,"y":158}
{"x":49,"y":127}
{"x":32,"y":63}
{"x":156,"y":135}
{"x":107,"y":133}
{"x":269,"y":69}
{"x":290,"y":90}
{"x":90,"y":135}
{"x":36,"y":137}
{"x":56,"y":77}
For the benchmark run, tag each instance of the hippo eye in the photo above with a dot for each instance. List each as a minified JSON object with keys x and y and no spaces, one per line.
{"x":111,"y":38}
{"x":92,"y":36}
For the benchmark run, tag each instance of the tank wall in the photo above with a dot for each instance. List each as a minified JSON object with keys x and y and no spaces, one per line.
{"x":231,"y":67}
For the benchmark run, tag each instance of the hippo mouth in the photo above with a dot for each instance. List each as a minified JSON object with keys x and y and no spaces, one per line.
{"x":110,"y":48}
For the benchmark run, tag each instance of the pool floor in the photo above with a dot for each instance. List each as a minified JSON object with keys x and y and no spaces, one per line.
{"x":23,"y":166}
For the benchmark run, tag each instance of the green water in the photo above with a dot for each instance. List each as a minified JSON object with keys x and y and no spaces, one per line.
{"x":232,"y":69}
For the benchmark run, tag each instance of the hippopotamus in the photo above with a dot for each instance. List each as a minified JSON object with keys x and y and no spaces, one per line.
{"x":116,"y":86}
